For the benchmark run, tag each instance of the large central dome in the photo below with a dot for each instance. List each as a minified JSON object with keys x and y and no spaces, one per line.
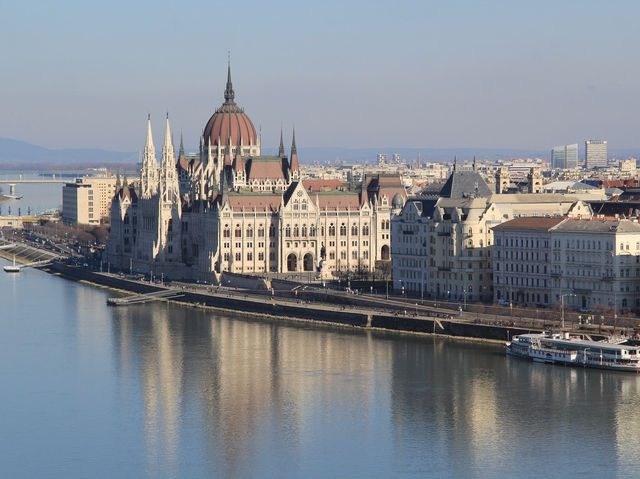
{"x":229,"y":122}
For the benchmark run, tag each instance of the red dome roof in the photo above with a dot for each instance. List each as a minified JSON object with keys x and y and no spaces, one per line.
{"x":229,"y":121}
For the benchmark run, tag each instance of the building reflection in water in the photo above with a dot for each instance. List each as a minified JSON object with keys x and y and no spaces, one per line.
{"x":253,"y":386}
{"x":246,"y":395}
{"x":475,"y":413}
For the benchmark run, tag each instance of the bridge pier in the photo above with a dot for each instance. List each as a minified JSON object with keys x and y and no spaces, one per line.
{"x":12,"y":189}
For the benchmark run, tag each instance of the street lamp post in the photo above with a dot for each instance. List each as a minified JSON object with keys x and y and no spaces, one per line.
{"x":465,"y":298}
{"x":562,"y":305}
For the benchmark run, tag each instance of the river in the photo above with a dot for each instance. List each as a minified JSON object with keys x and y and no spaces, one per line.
{"x":166,"y":391}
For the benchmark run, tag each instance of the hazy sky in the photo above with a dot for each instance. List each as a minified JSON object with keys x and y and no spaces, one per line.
{"x":515,"y":74}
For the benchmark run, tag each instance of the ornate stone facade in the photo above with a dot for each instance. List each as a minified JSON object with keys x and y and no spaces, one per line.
{"x":232,"y":209}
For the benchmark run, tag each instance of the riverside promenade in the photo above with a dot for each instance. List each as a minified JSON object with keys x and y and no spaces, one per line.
{"x":310,"y":303}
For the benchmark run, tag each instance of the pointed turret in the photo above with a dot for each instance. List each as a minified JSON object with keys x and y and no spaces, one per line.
{"x":281,"y":153}
{"x":168,"y":152}
{"x":238,"y":163}
{"x":227,"y":153}
{"x":149,"y":172}
{"x":169,"y":186}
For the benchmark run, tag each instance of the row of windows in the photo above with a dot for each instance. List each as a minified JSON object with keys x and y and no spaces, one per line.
{"x":296,"y":230}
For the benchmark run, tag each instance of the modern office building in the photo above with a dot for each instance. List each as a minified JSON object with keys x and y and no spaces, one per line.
{"x":564,"y":157}
{"x":87,"y":200}
{"x":595,"y":154}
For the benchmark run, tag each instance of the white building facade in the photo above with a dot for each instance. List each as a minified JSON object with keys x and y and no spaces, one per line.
{"x":594,"y":263}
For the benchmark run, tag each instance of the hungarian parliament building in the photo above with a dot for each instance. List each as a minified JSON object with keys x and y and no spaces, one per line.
{"x":232,"y":209}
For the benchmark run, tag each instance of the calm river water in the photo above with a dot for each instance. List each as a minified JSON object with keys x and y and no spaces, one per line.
{"x":165,"y":391}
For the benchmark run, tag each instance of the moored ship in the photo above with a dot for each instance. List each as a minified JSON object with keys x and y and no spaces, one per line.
{"x":567,"y":349}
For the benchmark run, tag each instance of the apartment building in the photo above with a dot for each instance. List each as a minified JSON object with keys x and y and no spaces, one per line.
{"x":592,"y":263}
{"x":445,"y":251}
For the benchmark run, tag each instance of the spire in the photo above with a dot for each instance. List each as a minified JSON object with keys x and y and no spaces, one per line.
{"x":474,"y":162}
{"x":149,"y":149}
{"x":118,"y":181}
{"x":168,"y":141}
{"x":293,"y":144}
{"x":181,"y":153}
{"x":281,"y":153}
{"x":294,"y":168}
{"x":229,"y":95}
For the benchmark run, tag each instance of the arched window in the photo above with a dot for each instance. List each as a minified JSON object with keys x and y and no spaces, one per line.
{"x":304,"y":205}
{"x":354,"y":230}
{"x":332,"y":230}
{"x":249,"y":231}
{"x":387,"y":224}
{"x":382,"y":225}
{"x":260,"y":231}
{"x":226,"y":232}
{"x":312,"y":230}
{"x":304,"y":230}
{"x":296,"y":231}
{"x":238,"y":232}
{"x":343,"y":230}
{"x":365,"y":230}
{"x":287,"y":231}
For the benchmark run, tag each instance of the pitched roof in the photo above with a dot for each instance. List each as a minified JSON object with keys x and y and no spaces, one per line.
{"x":320,"y":185}
{"x":264,"y":167}
{"x":465,"y":183}
{"x":598,"y":226}
{"x":530,"y":223}
{"x":250,"y":201}
{"x":338,"y":200}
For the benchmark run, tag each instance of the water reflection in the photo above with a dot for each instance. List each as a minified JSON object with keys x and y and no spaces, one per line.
{"x":256,"y":394}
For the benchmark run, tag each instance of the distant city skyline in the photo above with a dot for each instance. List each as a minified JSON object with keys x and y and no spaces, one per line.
{"x":353,"y":75}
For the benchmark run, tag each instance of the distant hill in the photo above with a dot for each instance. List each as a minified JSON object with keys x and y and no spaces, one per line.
{"x":19,"y":154}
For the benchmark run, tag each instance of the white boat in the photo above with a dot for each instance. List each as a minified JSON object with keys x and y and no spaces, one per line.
{"x":12,"y":268}
{"x":567,"y":349}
